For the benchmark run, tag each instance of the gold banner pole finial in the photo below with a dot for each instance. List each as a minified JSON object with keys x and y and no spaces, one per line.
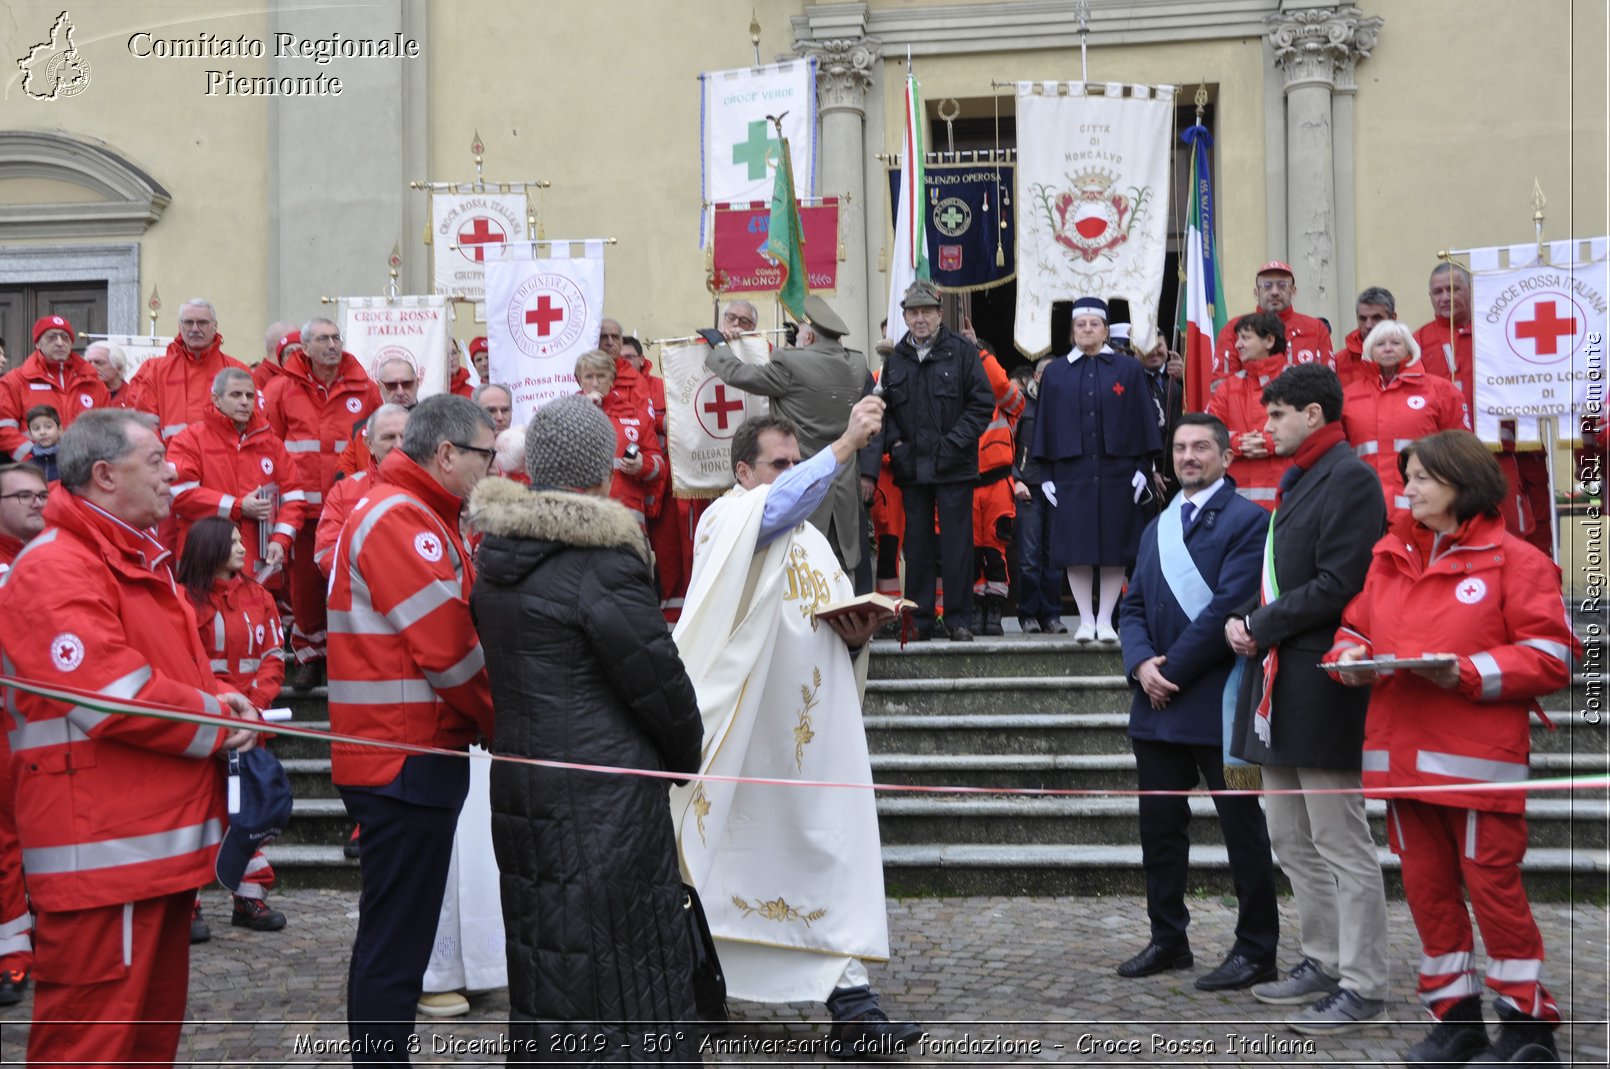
{"x":1539,"y":202}
{"x":155,"y":305}
{"x":394,"y":261}
{"x":754,"y":33}
{"x":479,"y":150}
{"x":1201,"y":102}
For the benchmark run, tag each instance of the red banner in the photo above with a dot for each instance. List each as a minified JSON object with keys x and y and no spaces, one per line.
{"x":740,"y":236}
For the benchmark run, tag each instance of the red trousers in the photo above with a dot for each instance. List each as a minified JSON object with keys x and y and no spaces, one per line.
{"x":125,"y":965}
{"x":670,"y":534}
{"x":308,"y":589}
{"x":1528,"y":498}
{"x":1446,"y":851}
{"x":16,"y":948}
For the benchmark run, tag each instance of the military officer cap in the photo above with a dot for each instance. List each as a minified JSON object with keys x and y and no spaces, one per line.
{"x":921,"y":294}
{"x":823,"y":319}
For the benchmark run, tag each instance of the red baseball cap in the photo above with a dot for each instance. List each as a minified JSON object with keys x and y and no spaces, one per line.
{"x":1275,"y":265}
{"x":45,"y":323}
{"x":293,"y":338}
{"x":478,"y":345}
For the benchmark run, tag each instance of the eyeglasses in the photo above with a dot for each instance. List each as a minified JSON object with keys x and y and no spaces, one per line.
{"x":1269,"y":284}
{"x":491,"y":455}
{"x":401,"y":384}
{"x":737,"y":320}
{"x":26,"y":496}
{"x":195,"y":322}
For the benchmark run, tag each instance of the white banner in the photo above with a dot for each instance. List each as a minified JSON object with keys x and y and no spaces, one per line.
{"x":738,"y":138}
{"x":1092,"y":202}
{"x":541,"y":314}
{"x":412,"y":328}
{"x":478,"y":224}
{"x":702,"y":413}
{"x":1538,"y":337}
{"x":138,"y":348}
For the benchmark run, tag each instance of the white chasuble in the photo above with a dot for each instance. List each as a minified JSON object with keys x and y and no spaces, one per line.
{"x":791,"y":877}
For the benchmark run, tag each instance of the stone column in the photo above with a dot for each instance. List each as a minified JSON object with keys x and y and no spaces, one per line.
{"x":843,"y":75}
{"x":1342,"y":101}
{"x":1310,"y":45}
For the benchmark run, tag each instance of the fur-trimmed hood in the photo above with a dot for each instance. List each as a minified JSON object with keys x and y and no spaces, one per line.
{"x":501,"y":508}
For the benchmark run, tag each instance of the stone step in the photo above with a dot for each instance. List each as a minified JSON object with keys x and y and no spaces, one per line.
{"x":1017,"y":655}
{"x":1551,"y":873}
{"x":997,"y":694}
{"x":1552,"y":821}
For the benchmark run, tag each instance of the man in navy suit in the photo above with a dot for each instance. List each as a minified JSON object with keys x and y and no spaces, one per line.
{"x":1198,"y":560}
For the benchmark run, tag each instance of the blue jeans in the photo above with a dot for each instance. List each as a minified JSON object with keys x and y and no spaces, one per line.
{"x":1039,"y":586}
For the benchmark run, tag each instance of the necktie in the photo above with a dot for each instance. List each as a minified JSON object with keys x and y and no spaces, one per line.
{"x":1187,"y":512}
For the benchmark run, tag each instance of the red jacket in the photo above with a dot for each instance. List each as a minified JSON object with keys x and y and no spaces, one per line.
{"x":1349,"y":361}
{"x":70,"y":387}
{"x":109,"y":806}
{"x":316,"y":421}
{"x":240,"y":629}
{"x":1307,"y":342}
{"x":634,"y":423}
{"x":995,"y":448}
{"x":1447,"y":354}
{"x":1381,"y":419}
{"x":1493,"y":600}
{"x":9,"y":548}
{"x":459,"y":385}
{"x":338,"y":505}
{"x":176,"y":387}
{"x":1238,"y":403}
{"x":218,"y":466}
{"x":264,"y":372}
{"x":405,"y":660}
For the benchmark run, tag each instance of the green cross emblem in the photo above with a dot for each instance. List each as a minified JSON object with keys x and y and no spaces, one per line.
{"x":951,"y":217}
{"x":752,"y":152}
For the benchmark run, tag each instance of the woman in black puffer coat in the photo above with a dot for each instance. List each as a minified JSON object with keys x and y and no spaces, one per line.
{"x":583,"y":670}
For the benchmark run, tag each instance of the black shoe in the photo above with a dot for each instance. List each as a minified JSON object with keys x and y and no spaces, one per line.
{"x":871,"y":1036}
{"x":1156,"y":958}
{"x":1237,"y":972}
{"x":200,"y":931}
{"x":941,"y":627}
{"x":306,"y":676}
{"x":13,"y":983}
{"x":1028,"y":625}
{"x":921,"y":634}
{"x":994,"y":606}
{"x":888,"y":630}
{"x":960,"y":634}
{"x":1522,"y":1040}
{"x":254,"y":913}
{"x":1454,"y":1040}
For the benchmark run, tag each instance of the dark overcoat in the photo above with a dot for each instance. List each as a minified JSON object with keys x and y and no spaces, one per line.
{"x":937,"y":410}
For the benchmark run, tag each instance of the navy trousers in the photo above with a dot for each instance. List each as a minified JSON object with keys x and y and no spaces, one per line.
{"x":954,"y":502}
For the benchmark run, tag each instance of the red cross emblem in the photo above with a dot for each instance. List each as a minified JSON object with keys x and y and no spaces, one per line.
{"x":481,"y":232}
{"x":722,"y":406}
{"x":545,"y":315}
{"x":1118,"y":389}
{"x":1546,"y":328}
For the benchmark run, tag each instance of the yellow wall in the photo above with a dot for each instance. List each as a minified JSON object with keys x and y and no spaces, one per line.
{"x":207,"y":153}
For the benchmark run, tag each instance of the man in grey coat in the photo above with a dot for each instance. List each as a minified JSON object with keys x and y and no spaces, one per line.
{"x":814,"y":384}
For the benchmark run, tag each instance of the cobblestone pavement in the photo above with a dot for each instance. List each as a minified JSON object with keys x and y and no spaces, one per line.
{"x":997,"y":980}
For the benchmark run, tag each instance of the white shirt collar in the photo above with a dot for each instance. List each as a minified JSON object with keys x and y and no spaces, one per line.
{"x":1075,"y":354}
{"x":1202,"y":496}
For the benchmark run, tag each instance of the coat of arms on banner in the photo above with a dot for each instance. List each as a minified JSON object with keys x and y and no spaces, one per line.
{"x":1092,"y":219}
{"x":702,"y":414}
{"x":469,"y":230}
{"x":547,"y":314}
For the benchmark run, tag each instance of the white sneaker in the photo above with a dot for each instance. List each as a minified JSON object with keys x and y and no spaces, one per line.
{"x":443,"y":1004}
{"x":1105,"y":633}
{"x":1086,"y":632}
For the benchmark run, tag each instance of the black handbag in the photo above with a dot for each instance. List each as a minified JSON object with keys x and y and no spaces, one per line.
{"x":709,"y":984}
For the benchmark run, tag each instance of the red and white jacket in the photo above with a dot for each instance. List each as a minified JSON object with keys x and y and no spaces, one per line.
{"x":219,"y":465}
{"x":239,"y":627}
{"x":70,"y":387}
{"x":338,"y":505}
{"x":1382,"y":418}
{"x":1495,"y":602}
{"x":1349,"y":361}
{"x":634,"y":424}
{"x":315,"y":421}
{"x":1238,"y":403}
{"x":1307,"y":342}
{"x":1447,"y":354}
{"x":106,"y":802}
{"x":405,"y":658}
{"x":176,"y":387}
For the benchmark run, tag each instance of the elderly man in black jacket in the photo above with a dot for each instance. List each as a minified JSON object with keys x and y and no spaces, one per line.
{"x":1306,"y":729}
{"x":939,"y":403}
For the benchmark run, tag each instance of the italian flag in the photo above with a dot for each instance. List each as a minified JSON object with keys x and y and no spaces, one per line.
{"x":1201,"y":315}
{"x":910,"y":259}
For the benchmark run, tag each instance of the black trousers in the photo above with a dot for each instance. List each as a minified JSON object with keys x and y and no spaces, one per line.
{"x":1165,"y":847}
{"x":406,"y":852}
{"x":954,"y":562}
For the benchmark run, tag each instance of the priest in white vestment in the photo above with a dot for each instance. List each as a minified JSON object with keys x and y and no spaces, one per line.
{"x":791,"y":877}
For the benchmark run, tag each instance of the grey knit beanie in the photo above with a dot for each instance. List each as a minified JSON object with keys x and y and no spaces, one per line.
{"x":570,"y":444}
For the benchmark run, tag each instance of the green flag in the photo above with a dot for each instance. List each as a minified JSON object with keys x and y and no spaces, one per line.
{"x":785,"y":240}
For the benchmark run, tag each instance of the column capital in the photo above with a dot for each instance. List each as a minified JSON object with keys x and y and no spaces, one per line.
{"x":844,"y":70}
{"x":1321,"y":45}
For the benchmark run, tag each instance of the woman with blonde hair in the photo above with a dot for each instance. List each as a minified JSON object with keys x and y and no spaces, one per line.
{"x":639,"y":463}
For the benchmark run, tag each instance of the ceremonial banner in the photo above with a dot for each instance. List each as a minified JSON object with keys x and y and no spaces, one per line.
{"x":785,"y":240}
{"x":138,"y":348}
{"x":478,"y":224}
{"x":909,"y":260}
{"x":702,"y":413}
{"x":1538,"y":333}
{"x":741,"y":233}
{"x":413,"y":328}
{"x":1092,"y":202}
{"x":1201,"y":301}
{"x":968,"y":247}
{"x":541,"y":314}
{"x":737,"y":138}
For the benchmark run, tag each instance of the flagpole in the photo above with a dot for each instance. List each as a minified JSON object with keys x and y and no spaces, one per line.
{"x":1084,"y":32}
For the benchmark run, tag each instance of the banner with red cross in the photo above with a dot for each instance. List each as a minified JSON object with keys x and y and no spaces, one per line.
{"x":541,"y":314}
{"x":468,"y":230}
{"x":702,"y":413}
{"x":378,"y":329}
{"x":1538,"y":326}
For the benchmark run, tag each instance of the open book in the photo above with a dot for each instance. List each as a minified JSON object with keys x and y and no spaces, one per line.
{"x":882,"y":606}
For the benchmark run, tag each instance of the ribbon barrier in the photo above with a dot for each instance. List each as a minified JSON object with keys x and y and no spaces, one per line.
{"x":89,"y":699}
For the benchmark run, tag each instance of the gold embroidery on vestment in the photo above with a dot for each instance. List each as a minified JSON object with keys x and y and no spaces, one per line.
{"x":806,"y":585}
{"x":802,"y":731}
{"x":779,"y":911}
{"x":701,"y":809}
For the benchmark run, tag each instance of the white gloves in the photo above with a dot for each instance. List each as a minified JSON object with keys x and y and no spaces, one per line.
{"x":1049,"y":489}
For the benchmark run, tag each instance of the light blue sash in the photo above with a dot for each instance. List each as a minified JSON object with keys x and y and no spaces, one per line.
{"x":1185,"y":582}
